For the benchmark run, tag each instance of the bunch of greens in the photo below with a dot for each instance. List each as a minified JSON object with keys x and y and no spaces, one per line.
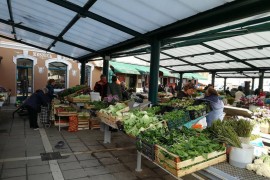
{"x":179,"y":103}
{"x":174,"y":115}
{"x":114,"y":110}
{"x":242,"y":127}
{"x":196,"y":108}
{"x":153,"y":110}
{"x":137,"y":121}
{"x":223,"y":132}
{"x":69,"y":91}
{"x":99,"y":104}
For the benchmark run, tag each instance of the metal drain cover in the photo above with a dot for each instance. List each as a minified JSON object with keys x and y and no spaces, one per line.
{"x":50,"y":156}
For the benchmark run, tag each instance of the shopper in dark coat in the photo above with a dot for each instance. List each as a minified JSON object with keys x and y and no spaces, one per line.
{"x":114,"y":89}
{"x":50,"y":87}
{"x":102,"y":86}
{"x":33,"y":105}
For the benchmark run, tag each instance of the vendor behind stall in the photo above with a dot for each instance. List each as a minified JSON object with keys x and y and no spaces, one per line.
{"x":216,"y":104}
{"x":187,"y":91}
{"x":114,"y":89}
{"x":101,"y":86}
{"x":239,"y":94}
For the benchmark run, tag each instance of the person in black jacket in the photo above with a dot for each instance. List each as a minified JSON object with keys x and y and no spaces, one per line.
{"x":33,"y":105}
{"x":50,"y":87}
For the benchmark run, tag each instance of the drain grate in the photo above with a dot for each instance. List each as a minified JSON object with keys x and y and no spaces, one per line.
{"x":50,"y":156}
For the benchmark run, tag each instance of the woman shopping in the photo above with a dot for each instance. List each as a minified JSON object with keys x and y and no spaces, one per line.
{"x":216,"y":104}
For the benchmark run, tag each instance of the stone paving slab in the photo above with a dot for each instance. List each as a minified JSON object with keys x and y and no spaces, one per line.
{"x":46,"y":176}
{"x":16,"y":178}
{"x":103,"y":177}
{"x":82,"y":157}
{"x":97,"y":170}
{"x":89,"y":163}
{"x":13,"y":172}
{"x":38,"y":169}
{"x":14,"y":164}
{"x":124,"y":176}
{"x":73,"y":174}
{"x":110,"y":160}
{"x":70,"y":165}
{"x":116,"y":168}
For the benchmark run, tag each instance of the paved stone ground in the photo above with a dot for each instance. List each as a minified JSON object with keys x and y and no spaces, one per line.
{"x":85,"y":157}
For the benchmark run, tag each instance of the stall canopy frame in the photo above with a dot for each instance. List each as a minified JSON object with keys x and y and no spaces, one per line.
{"x":192,"y":40}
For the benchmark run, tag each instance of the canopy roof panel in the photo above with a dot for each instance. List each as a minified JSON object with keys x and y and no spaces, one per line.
{"x":195,"y":35}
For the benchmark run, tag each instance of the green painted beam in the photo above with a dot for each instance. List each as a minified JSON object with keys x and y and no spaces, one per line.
{"x":83,"y":72}
{"x":154,"y":72}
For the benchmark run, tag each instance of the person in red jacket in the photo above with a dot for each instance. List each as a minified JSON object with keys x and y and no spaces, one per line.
{"x":262,"y":94}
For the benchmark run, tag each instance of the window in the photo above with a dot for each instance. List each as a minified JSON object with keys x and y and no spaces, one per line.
{"x":58,"y":72}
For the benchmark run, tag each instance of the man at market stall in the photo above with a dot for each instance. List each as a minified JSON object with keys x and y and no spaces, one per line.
{"x":216,"y":104}
{"x":101,"y":86}
{"x":239,"y":94}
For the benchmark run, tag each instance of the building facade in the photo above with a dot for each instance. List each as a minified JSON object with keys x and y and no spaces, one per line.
{"x":24,"y":69}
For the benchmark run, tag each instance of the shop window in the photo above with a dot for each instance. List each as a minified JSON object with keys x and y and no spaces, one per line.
{"x":88,"y":77}
{"x":58,"y":72}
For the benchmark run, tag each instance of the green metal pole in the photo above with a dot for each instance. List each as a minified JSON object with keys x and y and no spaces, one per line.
{"x":225,"y":83}
{"x":106,"y":67}
{"x":213,"y":78}
{"x":83,"y":72}
{"x":154,"y":71}
{"x":180,"y":81}
{"x":261,"y":74}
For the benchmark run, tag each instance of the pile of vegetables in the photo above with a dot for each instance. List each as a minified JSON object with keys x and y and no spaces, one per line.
{"x":223,"y":132}
{"x":72,"y":90}
{"x":114,"y":110}
{"x":177,"y":118}
{"x":196,"y":108}
{"x":179,"y":103}
{"x":186,"y":143}
{"x":261,"y":115}
{"x":261,"y":166}
{"x":137,"y":121}
{"x":242,"y":127}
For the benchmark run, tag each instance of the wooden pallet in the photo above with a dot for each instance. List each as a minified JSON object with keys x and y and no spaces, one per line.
{"x":94,"y":123}
{"x":179,"y":168}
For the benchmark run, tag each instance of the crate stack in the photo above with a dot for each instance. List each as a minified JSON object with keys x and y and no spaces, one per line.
{"x":83,"y":120}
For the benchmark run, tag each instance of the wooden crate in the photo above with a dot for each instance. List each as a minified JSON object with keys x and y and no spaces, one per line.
{"x":77,"y":100}
{"x":107,"y":119}
{"x":179,"y":168}
{"x":265,"y":127}
{"x":94,"y":123}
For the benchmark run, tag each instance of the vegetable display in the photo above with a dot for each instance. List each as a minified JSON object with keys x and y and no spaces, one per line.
{"x":261,"y":166}
{"x":137,"y":121}
{"x":179,"y":103}
{"x":196,"y":108}
{"x":186,"y":143}
{"x":223,"y":132}
{"x":69,"y":91}
{"x":98,"y":105}
{"x":114,"y":110}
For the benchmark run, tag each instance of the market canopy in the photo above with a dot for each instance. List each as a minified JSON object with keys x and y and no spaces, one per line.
{"x":86,"y":29}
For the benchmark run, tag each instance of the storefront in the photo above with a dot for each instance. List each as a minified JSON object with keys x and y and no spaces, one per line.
{"x":24,"y":69}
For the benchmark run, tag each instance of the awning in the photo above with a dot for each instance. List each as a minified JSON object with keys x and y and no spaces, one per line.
{"x":167,"y":73}
{"x":194,"y":76}
{"x":126,"y":68}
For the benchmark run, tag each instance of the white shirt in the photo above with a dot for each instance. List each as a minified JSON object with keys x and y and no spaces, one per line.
{"x":238,"y":95}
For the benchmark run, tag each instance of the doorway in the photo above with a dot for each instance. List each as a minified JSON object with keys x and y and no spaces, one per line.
{"x":24,"y":78}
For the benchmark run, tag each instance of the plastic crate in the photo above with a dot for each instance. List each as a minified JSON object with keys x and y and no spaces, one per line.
{"x":146,"y":148}
{"x":174,"y":124}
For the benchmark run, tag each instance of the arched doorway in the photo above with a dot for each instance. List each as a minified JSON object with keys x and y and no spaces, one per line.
{"x":58,"y":72}
{"x":24,"y":77}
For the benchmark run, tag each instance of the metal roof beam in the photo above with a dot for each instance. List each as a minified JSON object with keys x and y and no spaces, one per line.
{"x":44,"y":34}
{"x":149,"y":63}
{"x":220,"y":70}
{"x":183,"y":61}
{"x":226,"y":13}
{"x":80,"y":10}
{"x":228,"y":55}
{"x":44,"y":49}
{"x":11,"y":18}
{"x":73,"y":21}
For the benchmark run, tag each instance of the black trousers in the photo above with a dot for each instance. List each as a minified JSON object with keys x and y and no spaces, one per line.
{"x":32,"y":117}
